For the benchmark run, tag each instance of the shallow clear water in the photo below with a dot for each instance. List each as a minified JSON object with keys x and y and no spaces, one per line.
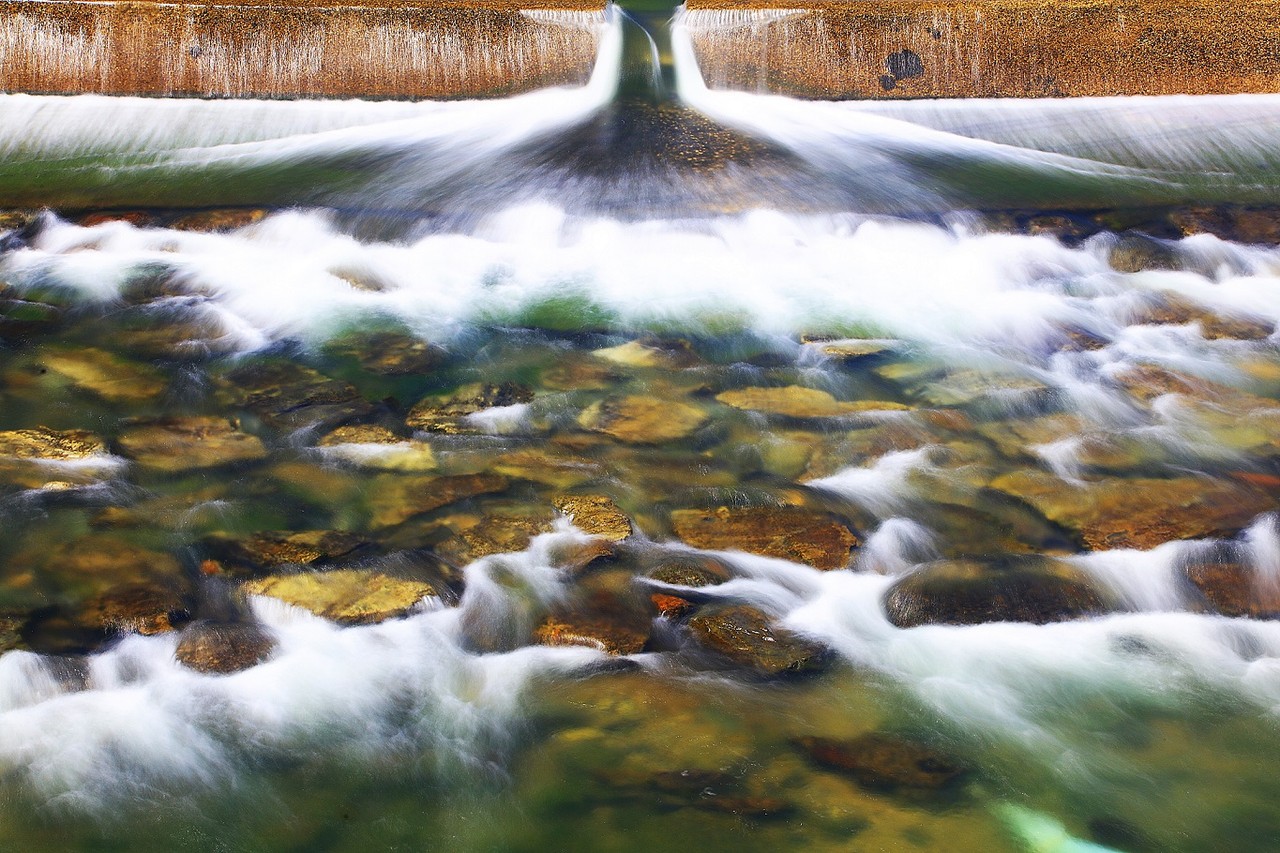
{"x":809,"y":402}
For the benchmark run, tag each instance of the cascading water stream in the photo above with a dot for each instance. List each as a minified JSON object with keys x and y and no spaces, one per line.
{"x":636,"y":295}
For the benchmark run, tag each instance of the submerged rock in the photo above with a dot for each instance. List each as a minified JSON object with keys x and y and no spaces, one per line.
{"x":747,"y":637}
{"x":219,"y":219}
{"x":798,"y":402}
{"x":884,"y":762}
{"x":692,"y":570}
{"x":140,"y":608}
{"x":1137,"y":252}
{"x":105,"y":374}
{"x":224,"y":648}
{"x":1139,"y":512}
{"x":560,"y":470}
{"x":290,"y":396}
{"x":789,"y":533}
{"x":389,"y":353}
{"x":10,"y":632}
{"x":22,"y":317}
{"x":1178,"y":310}
{"x":188,"y":444}
{"x":1234,"y":589}
{"x":395,"y":499}
{"x":376,"y":447}
{"x":597,"y":515}
{"x":448,"y":413}
{"x":270,"y":549}
{"x":50,"y":444}
{"x":643,"y":420}
{"x":493,"y":533}
{"x":673,"y":355}
{"x":1004,"y":589}
{"x":706,"y":790}
{"x":347,"y":596}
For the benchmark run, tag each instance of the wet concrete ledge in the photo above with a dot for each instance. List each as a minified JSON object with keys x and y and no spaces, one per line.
{"x":894,"y":49}
{"x":297,"y":48}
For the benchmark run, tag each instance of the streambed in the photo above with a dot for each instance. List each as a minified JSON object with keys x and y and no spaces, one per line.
{"x":966,"y":542}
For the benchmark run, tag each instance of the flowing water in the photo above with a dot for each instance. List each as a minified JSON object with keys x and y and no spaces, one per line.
{"x":993,"y":509}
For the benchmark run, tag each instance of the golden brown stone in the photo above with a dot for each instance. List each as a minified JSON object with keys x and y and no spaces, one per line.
{"x":1234,"y":589}
{"x":1139,"y":513}
{"x":345,"y":595}
{"x":49,"y":444}
{"x":447,"y":413}
{"x":747,"y":637}
{"x":307,"y":48}
{"x":644,"y":420}
{"x":788,"y":533}
{"x":394,"y":499}
{"x":224,"y":649}
{"x":188,"y":444}
{"x":986,"y":48}
{"x":795,"y":401}
{"x":105,"y":374}
{"x":279,"y":547}
{"x":595,"y":514}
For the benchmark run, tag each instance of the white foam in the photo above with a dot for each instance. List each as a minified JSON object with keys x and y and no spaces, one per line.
{"x":145,"y":722}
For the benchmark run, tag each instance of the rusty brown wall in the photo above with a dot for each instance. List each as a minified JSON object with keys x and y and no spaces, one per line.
{"x":303,"y":49}
{"x":991,"y":48}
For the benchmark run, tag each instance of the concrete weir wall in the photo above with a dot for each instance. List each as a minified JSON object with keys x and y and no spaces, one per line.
{"x":886,"y":49}
{"x":297,"y":48}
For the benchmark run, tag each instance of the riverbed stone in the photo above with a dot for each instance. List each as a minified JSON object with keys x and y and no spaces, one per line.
{"x":1113,"y":512}
{"x":394,"y":499}
{"x":851,"y":350}
{"x":549,"y":465}
{"x":884,"y":762}
{"x":347,"y":596}
{"x":597,"y":515}
{"x":605,"y":612}
{"x":218,"y":220}
{"x":1175,"y":309}
{"x":694,"y":570}
{"x":797,"y":534}
{"x":643,"y":420}
{"x":274,"y":548}
{"x":448,"y":413}
{"x":105,"y":375}
{"x":22,"y":317}
{"x":488,"y":533}
{"x":376,"y":447}
{"x":1233,"y":588}
{"x":794,"y":401}
{"x":1133,"y":252}
{"x":671,"y":355}
{"x":141,"y":608}
{"x":290,"y":396}
{"x":222,"y":649}
{"x":42,"y":443}
{"x":175,"y":445}
{"x":389,"y":353}
{"x":91,"y":565}
{"x":747,"y":636}
{"x":973,"y":591}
